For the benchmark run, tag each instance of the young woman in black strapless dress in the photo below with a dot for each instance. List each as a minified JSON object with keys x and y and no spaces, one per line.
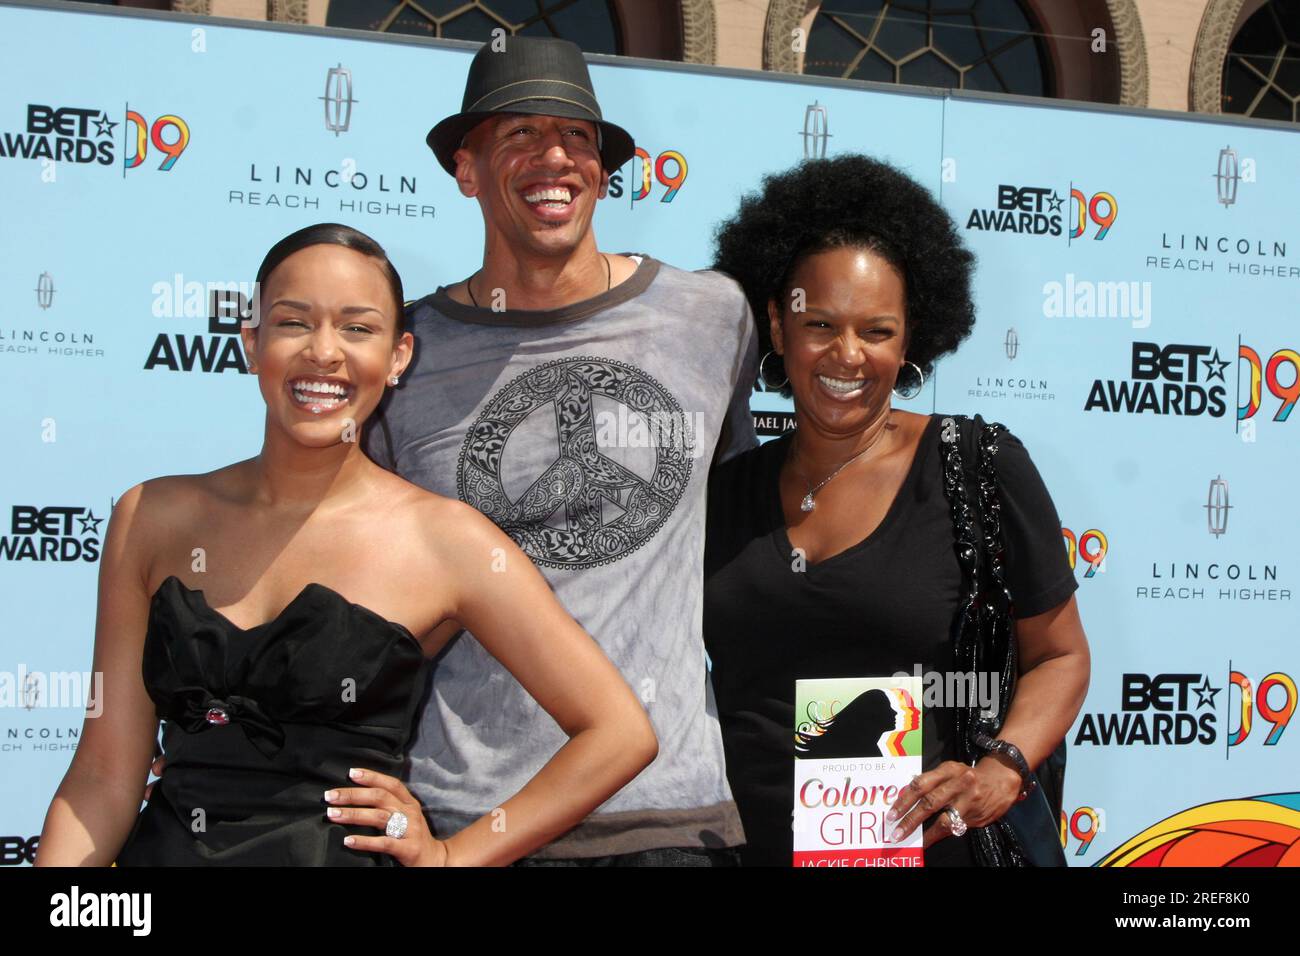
{"x":277,"y":614}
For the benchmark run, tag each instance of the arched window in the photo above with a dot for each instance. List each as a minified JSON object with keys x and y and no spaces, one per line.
{"x":589,"y":23}
{"x":664,"y":30}
{"x":1083,"y":50}
{"x":1261,"y":72}
{"x":977,"y":44}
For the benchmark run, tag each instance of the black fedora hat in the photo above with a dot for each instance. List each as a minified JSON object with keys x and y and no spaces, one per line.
{"x":537,"y":75}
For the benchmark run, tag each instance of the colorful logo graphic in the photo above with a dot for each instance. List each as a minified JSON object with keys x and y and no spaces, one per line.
{"x":1039,"y":211}
{"x":1263,"y":701}
{"x":898,"y":716}
{"x":1258,"y":373}
{"x":1253,"y":831}
{"x":1100,"y":207}
{"x":170,"y":144}
{"x":660,"y":166}
{"x":1092,"y":546}
{"x":1083,"y":825}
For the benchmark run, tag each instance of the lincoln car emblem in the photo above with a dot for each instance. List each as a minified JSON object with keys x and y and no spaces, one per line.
{"x":1012,"y":343}
{"x":45,"y":290}
{"x":1216,"y":507}
{"x":1228,"y":176}
{"x":816,"y":130}
{"x":338,"y":99}
{"x":31,"y":691}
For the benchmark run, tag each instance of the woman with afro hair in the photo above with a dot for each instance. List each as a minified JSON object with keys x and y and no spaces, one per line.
{"x":830,"y":550}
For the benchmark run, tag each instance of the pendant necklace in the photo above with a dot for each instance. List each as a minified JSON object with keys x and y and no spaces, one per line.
{"x":807,"y":504}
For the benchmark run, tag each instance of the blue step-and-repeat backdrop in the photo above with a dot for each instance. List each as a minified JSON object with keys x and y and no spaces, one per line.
{"x":1137,"y":289}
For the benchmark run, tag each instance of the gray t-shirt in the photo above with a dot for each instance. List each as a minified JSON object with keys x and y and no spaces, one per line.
{"x":586,"y":433}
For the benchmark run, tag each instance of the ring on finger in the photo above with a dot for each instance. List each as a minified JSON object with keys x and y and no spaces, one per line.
{"x":397,"y":822}
{"x":954,"y":819}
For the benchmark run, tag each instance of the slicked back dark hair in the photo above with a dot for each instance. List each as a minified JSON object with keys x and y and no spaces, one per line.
{"x":853,"y":201}
{"x":336,"y":234}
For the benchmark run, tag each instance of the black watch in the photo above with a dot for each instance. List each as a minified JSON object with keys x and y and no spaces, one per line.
{"x":1028,"y":783}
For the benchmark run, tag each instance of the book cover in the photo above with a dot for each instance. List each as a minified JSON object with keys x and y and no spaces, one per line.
{"x":857,"y":743}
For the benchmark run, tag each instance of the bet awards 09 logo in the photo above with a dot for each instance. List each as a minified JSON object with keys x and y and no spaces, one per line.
{"x":1173,"y":379}
{"x":1180,"y":709}
{"x":51,"y":533}
{"x":81,"y":135}
{"x":1041,"y":211}
{"x":1170,"y":709}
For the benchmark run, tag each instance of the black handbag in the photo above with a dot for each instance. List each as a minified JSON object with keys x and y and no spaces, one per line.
{"x":1028,"y":834}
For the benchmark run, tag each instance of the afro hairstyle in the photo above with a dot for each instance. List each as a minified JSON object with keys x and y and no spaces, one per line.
{"x":853,"y":201}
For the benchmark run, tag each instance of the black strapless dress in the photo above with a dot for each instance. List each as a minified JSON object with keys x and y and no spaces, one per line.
{"x":259,"y":723}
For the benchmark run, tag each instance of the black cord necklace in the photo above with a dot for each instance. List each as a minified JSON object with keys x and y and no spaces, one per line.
{"x":609,"y":280}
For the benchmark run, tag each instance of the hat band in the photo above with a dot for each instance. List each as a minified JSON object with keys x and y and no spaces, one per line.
{"x":581,"y":89}
{"x":600,"y":139}
{"x":504,"y":107}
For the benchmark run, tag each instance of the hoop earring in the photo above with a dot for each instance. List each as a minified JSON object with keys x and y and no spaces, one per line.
{"x":915,"y":390}
{"x":762,"y":376}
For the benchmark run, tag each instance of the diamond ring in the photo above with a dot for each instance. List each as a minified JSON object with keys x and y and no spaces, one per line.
{"x":954,"y":818}
{"x":397,"y":825}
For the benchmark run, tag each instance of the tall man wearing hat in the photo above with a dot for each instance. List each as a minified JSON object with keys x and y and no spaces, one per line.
{"x":577,"y":398}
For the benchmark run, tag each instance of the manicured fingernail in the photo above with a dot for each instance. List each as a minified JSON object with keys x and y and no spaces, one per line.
{"x":349,"y":841}
{"x":334,"y":813}
{"x":914,"y":779}
{"x":896,"y":835}
{"x":331,"y":796}
{"x":892,"y":815}
{"x":356,"y":774}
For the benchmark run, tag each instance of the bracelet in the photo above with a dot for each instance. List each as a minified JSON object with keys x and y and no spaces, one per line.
{"x":1028,"y":783}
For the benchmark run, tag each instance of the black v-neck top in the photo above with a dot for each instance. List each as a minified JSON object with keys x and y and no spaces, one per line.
{"x":884,"y":605}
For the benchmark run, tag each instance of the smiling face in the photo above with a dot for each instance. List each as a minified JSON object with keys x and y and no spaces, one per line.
{"x":537,"y":179}
{"x":844,"y":351}
{"x":326,"y":343}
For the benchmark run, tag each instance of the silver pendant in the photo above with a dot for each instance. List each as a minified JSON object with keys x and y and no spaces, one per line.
{"x":807,"y":503}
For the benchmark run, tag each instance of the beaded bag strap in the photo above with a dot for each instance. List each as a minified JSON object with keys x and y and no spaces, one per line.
{"x":984,"y":634}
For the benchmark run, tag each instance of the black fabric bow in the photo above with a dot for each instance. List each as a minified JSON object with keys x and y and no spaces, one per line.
{"x":264,"y":732}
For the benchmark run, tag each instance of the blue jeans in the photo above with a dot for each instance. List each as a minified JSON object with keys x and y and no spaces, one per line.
{"x":665,"y":856}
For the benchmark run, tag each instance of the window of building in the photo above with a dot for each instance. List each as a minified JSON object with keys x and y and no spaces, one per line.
{"x":592,"y":24}
{"x":992,"y":45}
{"x":1090,"y":50}
{"x":1261,"y":73}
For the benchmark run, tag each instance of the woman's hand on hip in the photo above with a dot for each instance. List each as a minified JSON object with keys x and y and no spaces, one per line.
{"x":371,"y":805}
{"x":980,"y":795}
